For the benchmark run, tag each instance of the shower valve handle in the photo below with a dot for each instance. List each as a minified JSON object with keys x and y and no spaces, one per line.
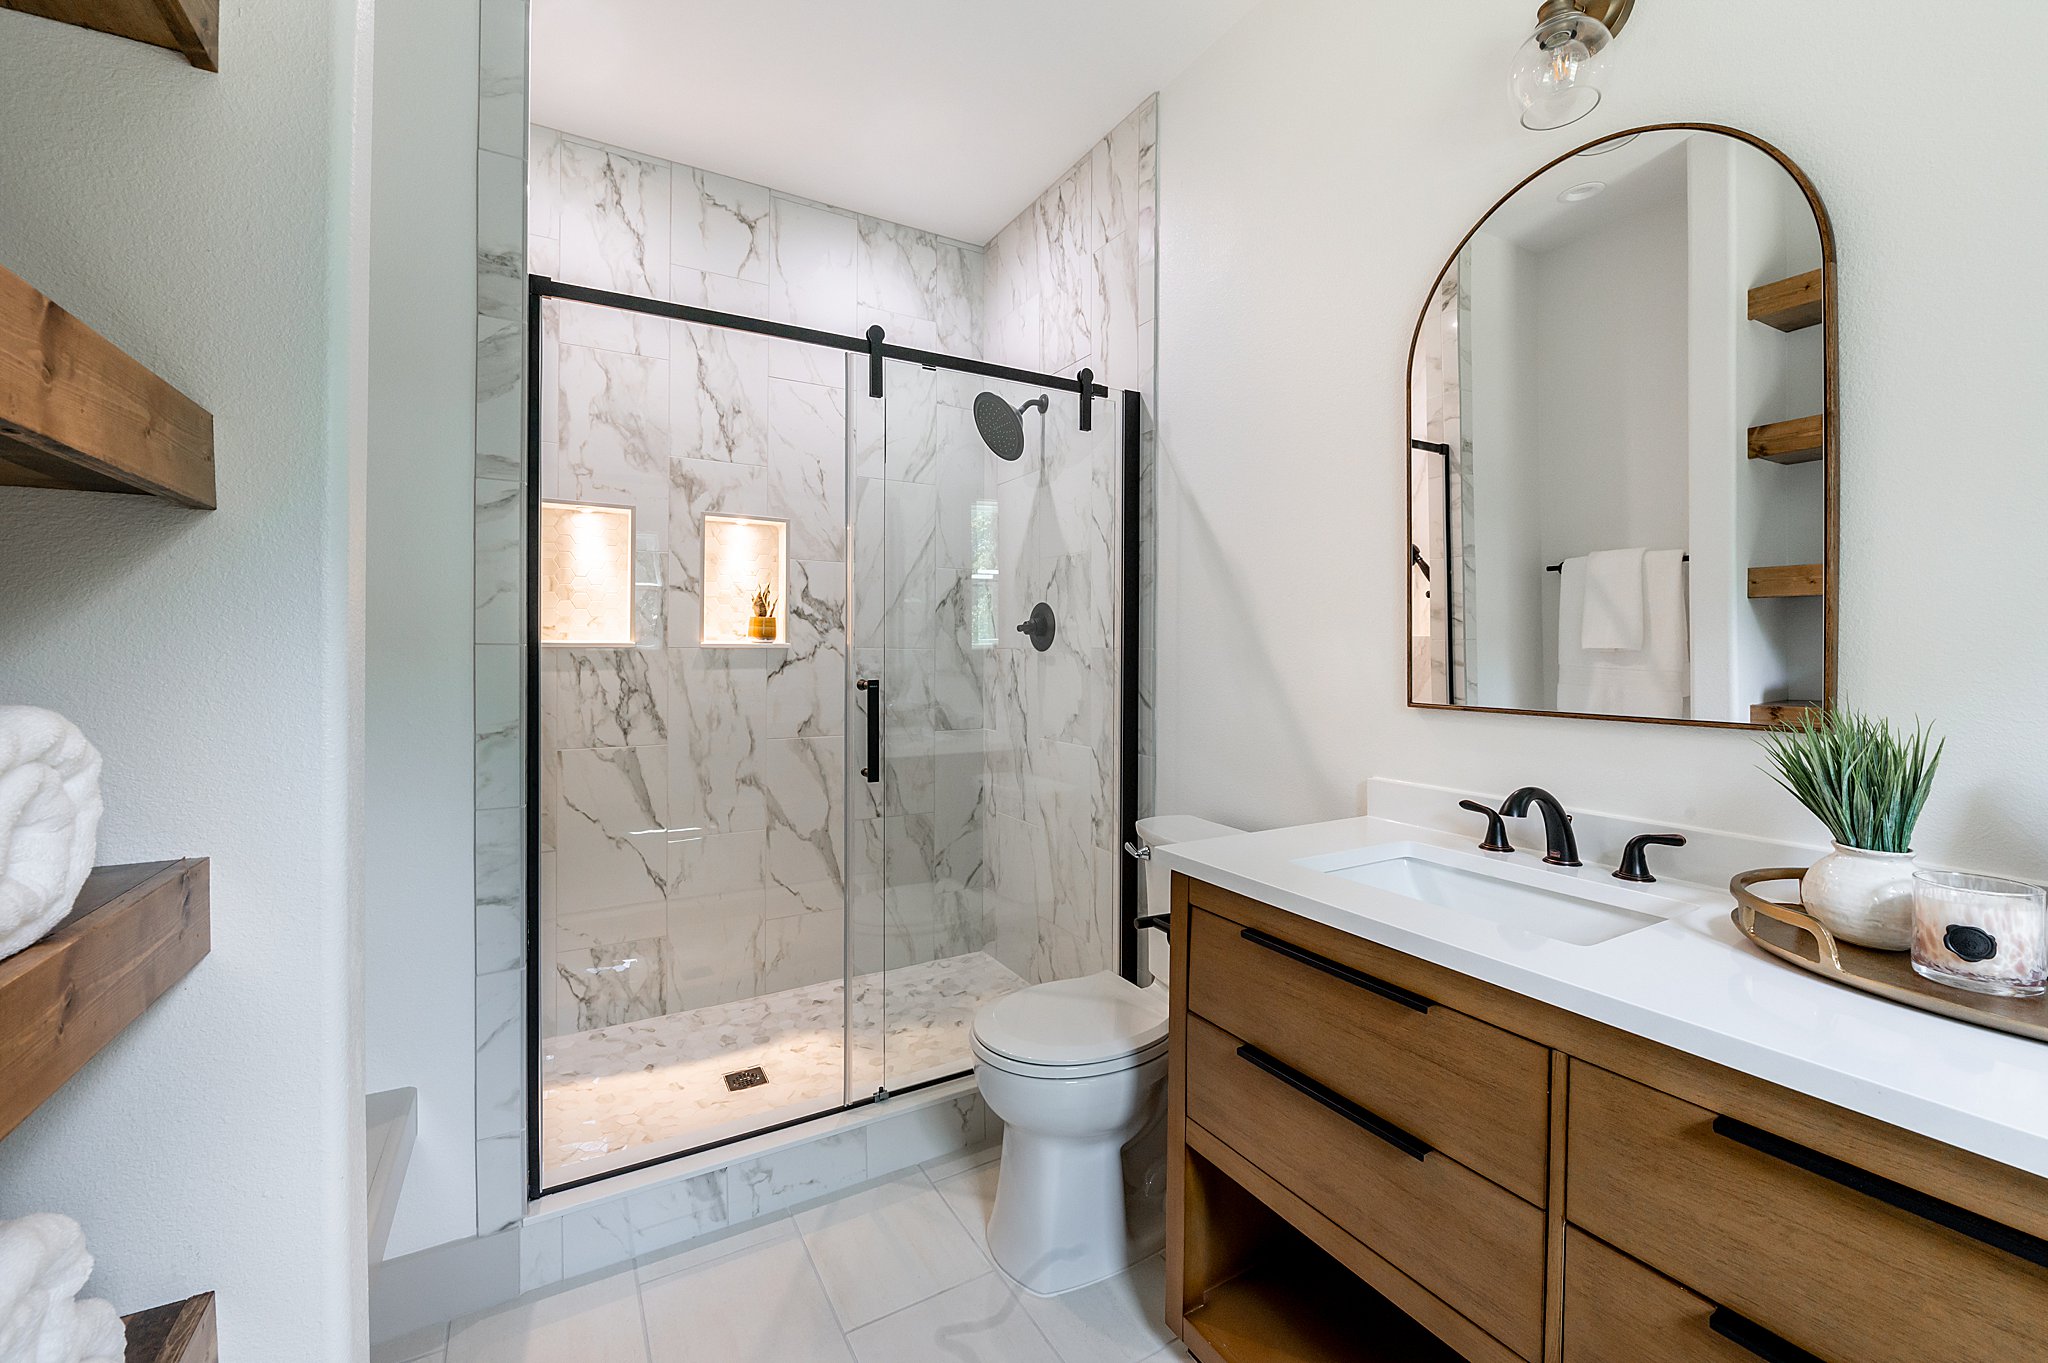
{"x":1040,"y":628}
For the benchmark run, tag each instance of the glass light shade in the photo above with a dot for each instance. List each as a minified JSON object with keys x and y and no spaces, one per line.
{"x":1559,"y":71}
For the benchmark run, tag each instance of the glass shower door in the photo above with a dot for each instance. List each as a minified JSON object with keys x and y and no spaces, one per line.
{"x":985,"y":853}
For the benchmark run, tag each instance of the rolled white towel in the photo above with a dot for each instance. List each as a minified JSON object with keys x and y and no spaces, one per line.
{"x":43,"y":1265}
{"x":49,"y":821}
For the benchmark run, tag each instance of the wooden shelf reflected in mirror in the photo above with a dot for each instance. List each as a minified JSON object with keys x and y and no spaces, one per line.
{"x":1791,"y":579}
{"x":1789,"y":304}
{"x":1799,"y":441}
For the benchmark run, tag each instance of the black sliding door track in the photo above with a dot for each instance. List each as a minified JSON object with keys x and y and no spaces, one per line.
{"x":543,"y":287}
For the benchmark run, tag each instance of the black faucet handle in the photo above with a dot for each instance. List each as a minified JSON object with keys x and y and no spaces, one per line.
{"x":1634,"y":865}
{"x":1496,"y":829}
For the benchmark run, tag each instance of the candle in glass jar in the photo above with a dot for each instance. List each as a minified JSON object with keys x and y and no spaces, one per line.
{"x":1980,"y":932}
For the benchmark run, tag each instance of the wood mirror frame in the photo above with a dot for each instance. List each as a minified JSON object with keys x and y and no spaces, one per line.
{"x":1831,"y":436}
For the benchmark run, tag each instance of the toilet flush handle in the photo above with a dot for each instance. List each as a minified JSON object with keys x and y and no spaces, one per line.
{"x":1136,"y":851}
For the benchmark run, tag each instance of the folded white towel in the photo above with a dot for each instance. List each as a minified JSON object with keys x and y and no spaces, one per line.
{"x":1653,"y":681}
{"x":1614,"y":599}
{"x":43,"y":1265}
{"x":49,"y":821}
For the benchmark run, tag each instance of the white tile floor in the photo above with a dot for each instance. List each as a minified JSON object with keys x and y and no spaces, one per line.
{"x":622,"y":1094}
{"x":895,"y":1272}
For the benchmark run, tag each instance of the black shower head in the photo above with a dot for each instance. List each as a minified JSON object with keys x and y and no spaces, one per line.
{"x":1002,"y":426}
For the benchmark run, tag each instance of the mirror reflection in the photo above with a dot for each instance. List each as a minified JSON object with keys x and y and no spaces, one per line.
{"x":1620,"y":490}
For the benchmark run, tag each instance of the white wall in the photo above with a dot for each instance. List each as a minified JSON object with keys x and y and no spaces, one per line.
{"x":420,"y":934}
{"x":1308,"y":197}
{"x":207,"y":224}
{"x":1504,"y":590}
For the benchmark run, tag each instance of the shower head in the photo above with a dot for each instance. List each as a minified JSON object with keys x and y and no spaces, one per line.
{"x":1002,"y":426}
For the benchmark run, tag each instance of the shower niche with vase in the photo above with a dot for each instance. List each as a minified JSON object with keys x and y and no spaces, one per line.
{"x":746,"y":582}
{"x":1623,"y":461}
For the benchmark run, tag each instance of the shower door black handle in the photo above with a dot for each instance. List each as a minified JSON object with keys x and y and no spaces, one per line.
{"x":873,"y":770}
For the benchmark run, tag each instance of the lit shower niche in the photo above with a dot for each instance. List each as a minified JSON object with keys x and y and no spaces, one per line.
{"x":586,"y":574}
{"x":746,"y":582}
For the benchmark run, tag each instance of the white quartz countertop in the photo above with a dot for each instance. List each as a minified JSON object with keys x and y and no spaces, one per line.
{"x":1690,"y":982}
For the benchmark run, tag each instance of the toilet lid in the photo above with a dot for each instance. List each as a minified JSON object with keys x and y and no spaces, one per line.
{"x":1073,"y":1022}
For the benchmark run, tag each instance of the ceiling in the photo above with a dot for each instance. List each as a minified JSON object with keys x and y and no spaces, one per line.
{"x":948,"y":115}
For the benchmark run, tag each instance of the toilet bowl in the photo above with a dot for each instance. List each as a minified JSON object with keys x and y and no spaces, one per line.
{"x":1075,"y":1069}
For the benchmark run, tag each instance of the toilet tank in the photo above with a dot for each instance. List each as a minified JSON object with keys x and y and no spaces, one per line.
{"x":1157,"y":897}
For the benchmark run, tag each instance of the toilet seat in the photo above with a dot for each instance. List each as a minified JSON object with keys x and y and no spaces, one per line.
{"x":1069,"y":1029}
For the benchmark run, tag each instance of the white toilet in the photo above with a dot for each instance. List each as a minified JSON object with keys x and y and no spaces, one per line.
{"x":1076,"y":1069}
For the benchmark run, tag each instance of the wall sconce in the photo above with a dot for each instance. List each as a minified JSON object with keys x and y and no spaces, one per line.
{"x":586,"y":574}
{"x":1559,"y":71}
{"x":746,"y":567}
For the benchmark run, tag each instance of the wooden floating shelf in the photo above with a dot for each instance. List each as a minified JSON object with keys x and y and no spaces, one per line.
{"x":1789,"y":304}
{"x":1799,"y":441}
{"x":183,"y":1332}
{"x":1780,"y":711}
{"x":78,"y":413}
{"x":134,"y":932}
{"x":191,"y":27}
{"x":1793,"y":579}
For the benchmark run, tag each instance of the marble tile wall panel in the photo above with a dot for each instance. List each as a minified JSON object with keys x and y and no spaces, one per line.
{"x":615,"y":223}
{"x":722,"y":226}
{"x":499,"y":573}
{"x":720,"y":378}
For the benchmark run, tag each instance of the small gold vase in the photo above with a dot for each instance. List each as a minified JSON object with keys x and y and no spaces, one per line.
{"x":761,"y":627}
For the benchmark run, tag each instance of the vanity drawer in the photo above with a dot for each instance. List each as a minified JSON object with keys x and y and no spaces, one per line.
{"x":1853,"y":1268}
{"x":1473,"y":1244}
{"x":1617,"y":1311}
{"x":1477,"y":1093}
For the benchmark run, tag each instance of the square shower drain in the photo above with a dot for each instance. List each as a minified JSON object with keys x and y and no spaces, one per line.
{"x":750,"y":1078}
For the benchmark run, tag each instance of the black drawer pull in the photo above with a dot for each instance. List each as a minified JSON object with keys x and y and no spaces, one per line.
{"x":1948,"y":1215}
{"x":1342,"y":972}
{"x":1756,"y":1338}
{"x":1351,"y":1112}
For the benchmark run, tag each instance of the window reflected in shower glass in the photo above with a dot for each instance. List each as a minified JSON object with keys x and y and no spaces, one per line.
{"x":982,"y":583}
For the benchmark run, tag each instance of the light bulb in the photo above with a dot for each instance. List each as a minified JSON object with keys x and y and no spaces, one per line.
{"x":1558,"y":71}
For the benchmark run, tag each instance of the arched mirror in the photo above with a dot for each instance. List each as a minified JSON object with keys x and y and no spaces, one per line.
{"x":1623,"y":460}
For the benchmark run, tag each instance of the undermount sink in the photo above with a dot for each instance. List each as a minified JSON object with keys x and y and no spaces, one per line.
{"x":1519,"y":895}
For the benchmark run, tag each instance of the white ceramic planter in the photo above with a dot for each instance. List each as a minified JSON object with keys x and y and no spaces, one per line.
{"x":1862,"y":897}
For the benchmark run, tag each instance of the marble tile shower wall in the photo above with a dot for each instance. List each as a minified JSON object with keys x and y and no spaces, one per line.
{"x":693,"y":836}
{"x":1070,"y":283}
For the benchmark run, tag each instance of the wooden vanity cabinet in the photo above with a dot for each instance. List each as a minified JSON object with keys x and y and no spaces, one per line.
{"x":1374,"y":1158}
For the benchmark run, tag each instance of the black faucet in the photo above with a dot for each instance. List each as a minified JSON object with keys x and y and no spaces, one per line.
{"x":1560,"y":848}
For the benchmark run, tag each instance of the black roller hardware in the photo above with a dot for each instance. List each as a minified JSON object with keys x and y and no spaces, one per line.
{"x":1755,"y":1338}
{"x":1370,"y":983}
{"x":1412,"y":1146}
{"x":1912,"y":1201}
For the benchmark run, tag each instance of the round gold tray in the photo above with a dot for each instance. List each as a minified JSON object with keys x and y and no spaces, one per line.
{"x":1789,"y":933}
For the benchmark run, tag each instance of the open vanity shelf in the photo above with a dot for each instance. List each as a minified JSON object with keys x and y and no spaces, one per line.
{"x":78,"y":413}
{"x":1799,"y":441}
{"x":135,"y":931}
{"x":1789,"y":304}
{"x":190,"y":27}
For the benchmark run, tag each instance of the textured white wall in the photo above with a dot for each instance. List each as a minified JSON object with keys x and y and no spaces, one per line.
{"x":204,"y":222}
{"x":419,"y":842}
{"x":1314,"y":175}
